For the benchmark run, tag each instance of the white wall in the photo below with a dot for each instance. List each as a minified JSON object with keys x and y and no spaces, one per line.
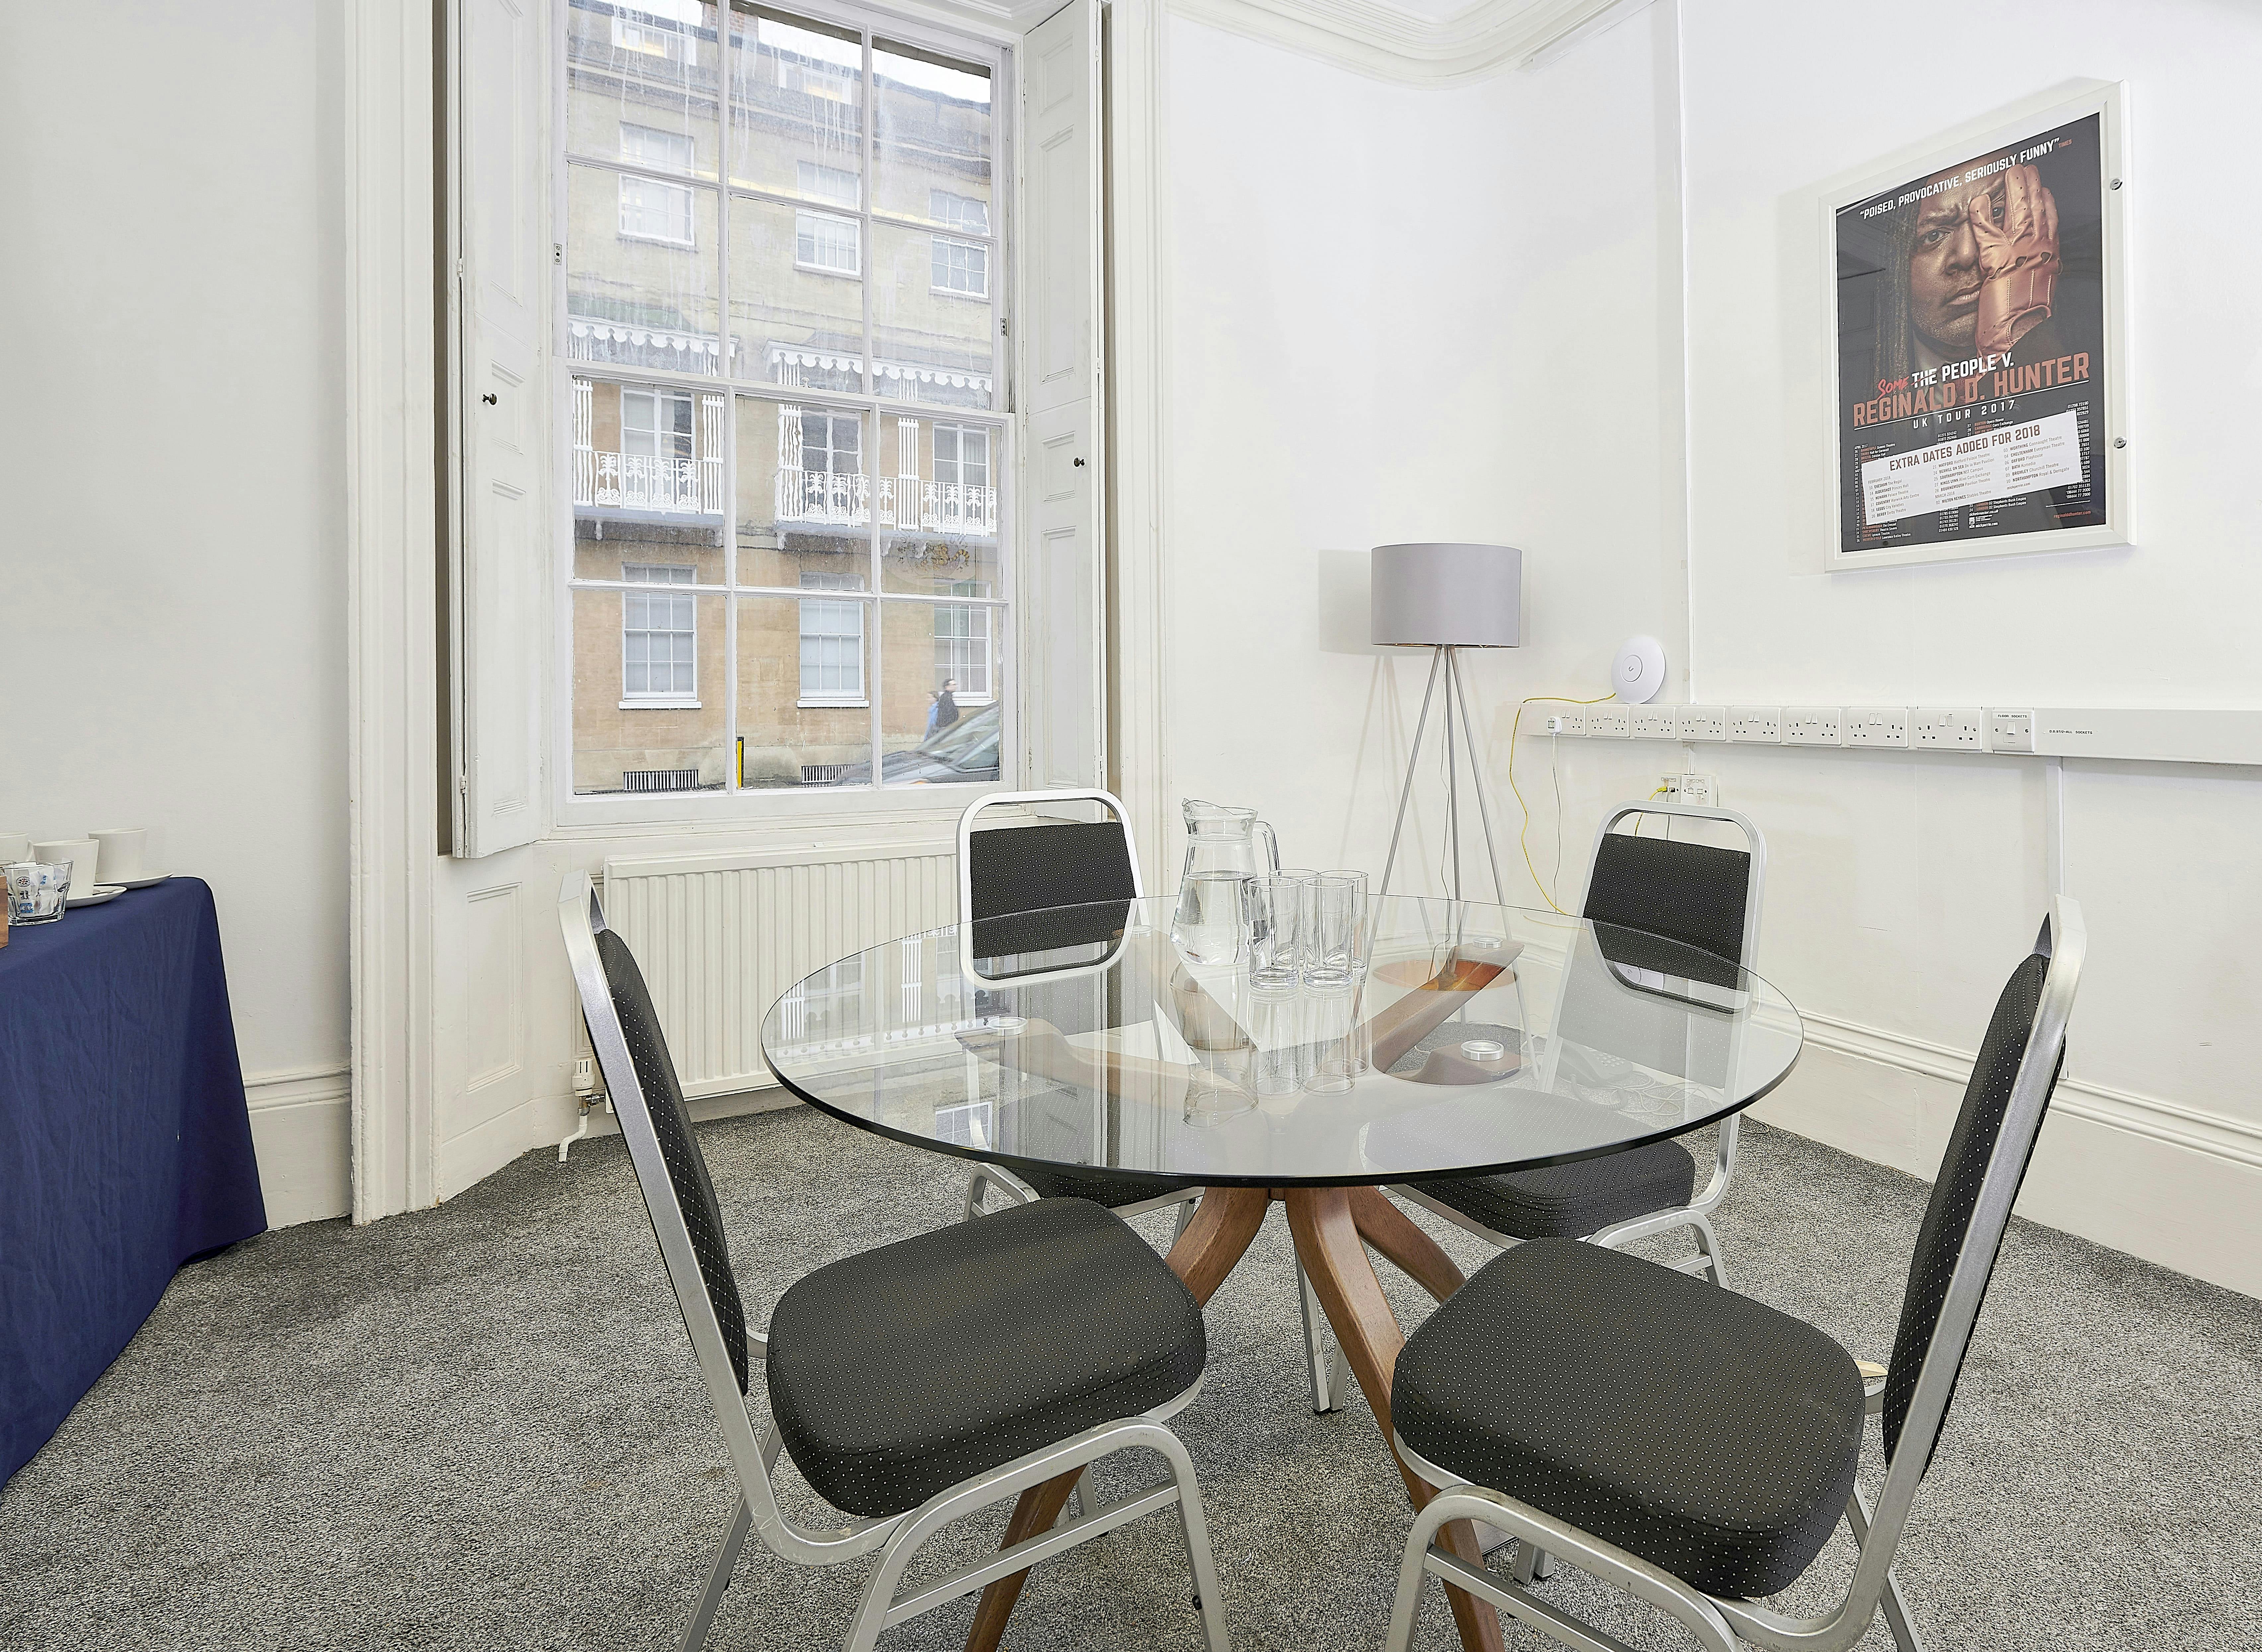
{"x":173,"y":436}
{"x":1394,"y":317}
{"x":1402,"y":313}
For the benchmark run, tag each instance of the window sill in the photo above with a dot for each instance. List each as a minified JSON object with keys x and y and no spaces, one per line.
{"x":661,"y":702}
{"x":659,"y":241}
{"x":832,"y":705}
{"x":827,"y":269}
{"x":953,"y":292}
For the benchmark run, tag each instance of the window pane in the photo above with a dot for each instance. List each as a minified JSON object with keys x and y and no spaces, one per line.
{"x":648,"y":677}
{"x":803,"y":679}
{"x":796,"y":96}
{"x":941,"y":711}
{"x":934,"y":345}
{"x":804,"y":495}
{"x":644,"y":456}
{"x":640,"y":84}
{"x":939,"y":507}
{"x":639,"y":272}
{"x":797,"y":300}
{"x":934,"y":134}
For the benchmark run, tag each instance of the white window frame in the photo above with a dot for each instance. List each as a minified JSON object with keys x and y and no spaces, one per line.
{"x":954,"y":592}
{"x":993,"y":47}
{"x":825,"y":606}
{"x":641,"y":574}
{"x":815,"y":181}
{"x":637,"y":192}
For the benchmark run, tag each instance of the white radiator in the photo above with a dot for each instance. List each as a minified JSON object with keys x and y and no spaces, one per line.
{"x":720,"y":936}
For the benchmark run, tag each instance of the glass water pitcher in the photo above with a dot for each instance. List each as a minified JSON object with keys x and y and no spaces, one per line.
{"x":1222,"y":839}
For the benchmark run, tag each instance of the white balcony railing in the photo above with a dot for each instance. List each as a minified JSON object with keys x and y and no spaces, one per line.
{"x":646,"y":481}
{"x":837,"y":499}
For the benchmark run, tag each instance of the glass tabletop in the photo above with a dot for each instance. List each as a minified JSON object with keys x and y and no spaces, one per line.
{"x":1472,"y":1039}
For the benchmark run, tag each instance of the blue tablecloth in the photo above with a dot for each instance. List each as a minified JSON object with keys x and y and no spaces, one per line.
{"x":125,"y":1148}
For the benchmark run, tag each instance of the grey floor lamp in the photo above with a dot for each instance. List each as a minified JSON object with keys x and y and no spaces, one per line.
{"x":1446,"y":598}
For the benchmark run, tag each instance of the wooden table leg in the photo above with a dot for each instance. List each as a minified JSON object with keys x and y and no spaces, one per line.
{"x":1390,"y":1231}
{"x":1327,"y":1225}
{"x":1224,"y":1223}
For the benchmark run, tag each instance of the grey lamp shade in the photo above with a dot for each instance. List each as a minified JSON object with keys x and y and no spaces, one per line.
{"x":1460,"y":595}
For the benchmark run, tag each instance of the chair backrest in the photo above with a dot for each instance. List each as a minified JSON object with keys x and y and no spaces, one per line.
{"x":1030,"y":869}
{"x":640,"y":1077}
{"x":1695,"y":893}
{"x":2012,"y":1080}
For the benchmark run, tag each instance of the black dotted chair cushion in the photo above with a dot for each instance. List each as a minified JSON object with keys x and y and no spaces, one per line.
{"x":1098,"y":1185}
{"x":671,"y":1123}
{"x":1690,"y":892}
{"x":1026,"y":869}
{"x":1955,"y":1194}
{"x":1710,"y":1434}
{"x":1569,"y":1201}
{"x":900,"y":1372}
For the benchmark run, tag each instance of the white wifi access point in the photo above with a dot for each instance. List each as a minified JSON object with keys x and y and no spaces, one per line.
{"x":1638,"y":671}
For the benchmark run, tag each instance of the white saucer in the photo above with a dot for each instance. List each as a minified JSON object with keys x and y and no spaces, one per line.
{"x":102,"y":893}
{"x":143,"y":881}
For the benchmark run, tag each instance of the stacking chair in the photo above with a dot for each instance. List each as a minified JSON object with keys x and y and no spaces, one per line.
{"x":1690,"y":1445}
{"x":917,"y":1384}
{"x":1006,"y":873}
{"x":1697,"y":897}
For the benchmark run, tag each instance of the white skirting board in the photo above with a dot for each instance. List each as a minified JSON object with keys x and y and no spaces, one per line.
{"x":2158,"y":1180}
{"x":302,"y":1131}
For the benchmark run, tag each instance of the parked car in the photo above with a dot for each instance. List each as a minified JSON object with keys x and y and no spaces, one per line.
{"x":966,"y":751}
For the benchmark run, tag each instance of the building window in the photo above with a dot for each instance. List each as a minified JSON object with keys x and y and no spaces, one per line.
{"x":656,"y":29}
{"x":961,"y":267}
{"x":826,"y":241}
{"x":961,"y":643}
{"x":961,"y":456}
{"x":654,"y":211}
{"x":755,"y":446}
{"x":831,"y":643}
{"x":660,"y":639}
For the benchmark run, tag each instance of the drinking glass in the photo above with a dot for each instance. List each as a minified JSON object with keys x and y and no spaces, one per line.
{"x":1212,"y":925}
{"x":36,"y":890}
{"x":1276,"y":1025}
{"x":1218,"y":1088}
{"x":1279,"y":915}
{"x":1340,"y":1049}
{"x":1338,"y":930}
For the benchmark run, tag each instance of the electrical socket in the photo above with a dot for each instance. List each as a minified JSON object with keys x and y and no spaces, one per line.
{"x":1759,"y":723}
{"x":1555,"y":722}
{"x":1701,"y":722}
{"x":2010,"y":730}
{"x":1609,"y":722}
{"x":1878,"y":725}
{"x":1811,"y":725}
{"x":1701,"y":791}
{"x":1948,"y":728}
{"x":1574,"y":721}
{"x":1653,"y":722}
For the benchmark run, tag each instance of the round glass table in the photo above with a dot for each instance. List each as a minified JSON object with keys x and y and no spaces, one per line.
{"x":1117,"y":1041}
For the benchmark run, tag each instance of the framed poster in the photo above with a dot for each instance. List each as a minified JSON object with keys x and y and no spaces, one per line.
{"x":1977,"y":342}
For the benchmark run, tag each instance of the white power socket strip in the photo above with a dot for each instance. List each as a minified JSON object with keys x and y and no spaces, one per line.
{"x":2146,"y":734}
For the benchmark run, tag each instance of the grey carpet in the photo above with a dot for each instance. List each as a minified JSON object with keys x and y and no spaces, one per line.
{"x":477,"y":1427}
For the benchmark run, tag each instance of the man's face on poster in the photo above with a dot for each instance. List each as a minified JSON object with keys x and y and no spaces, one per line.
{"x":1943,"y":276}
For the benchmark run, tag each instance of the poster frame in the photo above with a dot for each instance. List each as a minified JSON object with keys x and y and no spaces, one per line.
{"x":2108,"y":101}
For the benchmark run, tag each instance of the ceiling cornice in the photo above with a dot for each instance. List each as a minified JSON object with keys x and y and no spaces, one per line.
{"x":1389,"y":44}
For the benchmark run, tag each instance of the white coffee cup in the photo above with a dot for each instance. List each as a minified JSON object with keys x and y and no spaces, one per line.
{"x":124,"y":853}
{"x":80,"y":852}
{"x":14,"y":846}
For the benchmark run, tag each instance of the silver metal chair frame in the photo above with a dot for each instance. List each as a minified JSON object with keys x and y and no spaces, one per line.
{"x":985,"y":1176}
{"x":1716,"y":1621}
{"x":896,"y":1539}
{"x":1697,"y":1214}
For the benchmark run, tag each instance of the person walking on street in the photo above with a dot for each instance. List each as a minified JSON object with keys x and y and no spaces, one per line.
{"x":946,"y":704}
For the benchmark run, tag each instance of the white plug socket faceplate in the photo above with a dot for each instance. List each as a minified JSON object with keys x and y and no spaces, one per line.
{"x":1701,"y":791}
{"x":1652,"y":723}
{"x":1958,"y":728}
{"x":1876,"y":725}
{"x":1756,"y":725}
{"x":1701,"y":722}
{"x":2010,"y":730}
{"x":1811,"y":725}
{"x":1609,"y":722}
